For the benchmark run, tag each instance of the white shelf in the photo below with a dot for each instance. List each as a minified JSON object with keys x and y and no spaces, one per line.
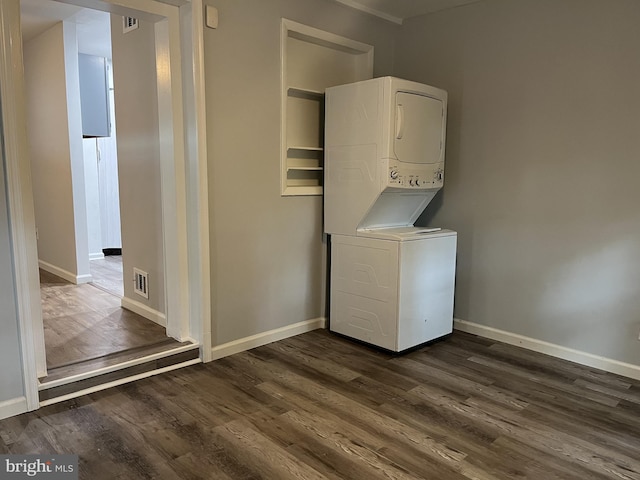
{"x":306,"y":149}
{"x":312,"y":60}
{"x":319,"y":169}
{"x":305,"y":93}
{"x":297,"y":190}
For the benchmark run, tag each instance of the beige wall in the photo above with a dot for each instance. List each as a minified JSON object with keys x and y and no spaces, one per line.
{"x":55,"y":143}
{"x":266,"y":250}
{"x":542,"y":164}
{"x":134,"y":74}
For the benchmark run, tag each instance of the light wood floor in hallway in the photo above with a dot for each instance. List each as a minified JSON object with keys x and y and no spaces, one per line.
{"x":84,"y":323}
{"x":318,"y":406}
{"x":107,"y":274}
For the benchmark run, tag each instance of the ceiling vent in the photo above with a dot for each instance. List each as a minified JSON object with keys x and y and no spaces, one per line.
{"x":129,"y":24}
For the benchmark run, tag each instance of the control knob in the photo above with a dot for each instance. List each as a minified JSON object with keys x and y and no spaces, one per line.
{"x":393,"y":174}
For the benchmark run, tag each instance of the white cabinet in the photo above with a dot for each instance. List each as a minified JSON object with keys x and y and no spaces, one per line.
{"x":94,"y":96}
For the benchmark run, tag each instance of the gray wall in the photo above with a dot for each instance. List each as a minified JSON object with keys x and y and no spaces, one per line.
{"x":136,"y":100}
{"x":11,"y":372}
{"x":266,"y":250}
{"x":542,"y":164}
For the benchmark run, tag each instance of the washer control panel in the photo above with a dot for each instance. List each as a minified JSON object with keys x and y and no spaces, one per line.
{"x":424,"y":176}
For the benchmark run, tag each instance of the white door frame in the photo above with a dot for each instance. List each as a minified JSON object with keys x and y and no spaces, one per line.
{"x":180,"y":104}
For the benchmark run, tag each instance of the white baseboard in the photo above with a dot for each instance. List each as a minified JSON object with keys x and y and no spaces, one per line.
{"x":144,"y":311}
{"x":260,"y":339}
{"x":577,"y":356}
{"x":96,"y":256}
{"x":15,"y":406}
{"x":62,"y":273}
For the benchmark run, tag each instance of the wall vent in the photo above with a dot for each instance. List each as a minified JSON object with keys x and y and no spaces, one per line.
{"x":129,"y":23}
{"x":141,"y":283}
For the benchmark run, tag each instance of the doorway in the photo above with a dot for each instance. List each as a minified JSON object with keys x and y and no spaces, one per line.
{"x":66,"y":67}
{"x":178,"y":241}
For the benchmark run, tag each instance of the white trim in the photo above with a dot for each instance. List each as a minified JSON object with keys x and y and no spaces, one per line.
{"x":558,"y":351}
{"x":62,"y":273}
{"x":12,"y":407}
{"x":96,"y":256}
{"x":322,"y":37}
{"x":173,"y":175}
{"x":20,"y":201}
{"x":115,"y":383}
{"x":371,"y":11}
{"x":203,"y":294}
{"x":144,"y":311}
{"x":76,"y":161}
{"x":264,"y":338}
{"x":112,"y":368}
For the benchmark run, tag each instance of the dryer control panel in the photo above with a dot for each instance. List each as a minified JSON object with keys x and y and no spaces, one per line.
{"x":411,"y":177}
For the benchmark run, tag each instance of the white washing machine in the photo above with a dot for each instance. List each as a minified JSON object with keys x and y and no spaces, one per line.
{"x":392,"y":284}
{"x":394,"y":291}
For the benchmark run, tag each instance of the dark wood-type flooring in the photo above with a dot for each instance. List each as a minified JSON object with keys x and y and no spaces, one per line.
{"x":319,"y":406}
{"x":82,"y":322}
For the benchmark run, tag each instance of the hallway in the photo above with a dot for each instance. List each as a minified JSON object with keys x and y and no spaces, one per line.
{"x":84,"y":326}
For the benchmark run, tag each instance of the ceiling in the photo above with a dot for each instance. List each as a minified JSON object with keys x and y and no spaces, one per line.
{"x":92,"y":26}
{"x":399,"y":10}
{"x":40,"y":15}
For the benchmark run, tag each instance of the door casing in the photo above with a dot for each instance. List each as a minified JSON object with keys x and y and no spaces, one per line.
{"x":183,"y":165}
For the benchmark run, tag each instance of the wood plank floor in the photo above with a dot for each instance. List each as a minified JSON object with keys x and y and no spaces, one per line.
{"x":319,"y":406}
{"x":107,"y":274}
{"x":82,"y":322}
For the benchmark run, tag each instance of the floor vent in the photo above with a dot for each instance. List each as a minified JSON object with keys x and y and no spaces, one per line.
{"x":129,"y":23}
{"x":141,"y":283}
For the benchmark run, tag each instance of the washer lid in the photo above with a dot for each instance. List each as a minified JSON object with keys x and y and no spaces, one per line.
{"x":405,"y":234}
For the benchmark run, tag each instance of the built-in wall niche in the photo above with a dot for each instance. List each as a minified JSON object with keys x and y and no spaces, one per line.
{"x":312,"y":60}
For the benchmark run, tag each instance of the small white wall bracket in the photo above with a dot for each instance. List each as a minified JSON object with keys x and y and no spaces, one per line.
{"x":211,"y":16}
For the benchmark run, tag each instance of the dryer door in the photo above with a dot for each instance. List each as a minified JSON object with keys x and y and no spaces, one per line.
{"x":419,"y":128}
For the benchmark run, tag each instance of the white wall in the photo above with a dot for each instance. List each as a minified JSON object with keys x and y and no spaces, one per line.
{"x":76,"y":151}
{"x":55,"y":142}
{"x":136,"y":108}
{"x":542,"y":164}
{"x":266,"y":250}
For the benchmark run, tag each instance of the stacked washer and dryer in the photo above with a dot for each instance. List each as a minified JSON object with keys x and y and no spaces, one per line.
{"x":391,"y":283}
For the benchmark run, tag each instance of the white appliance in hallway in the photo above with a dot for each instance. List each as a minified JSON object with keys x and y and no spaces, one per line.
{"x":392,"y":284}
